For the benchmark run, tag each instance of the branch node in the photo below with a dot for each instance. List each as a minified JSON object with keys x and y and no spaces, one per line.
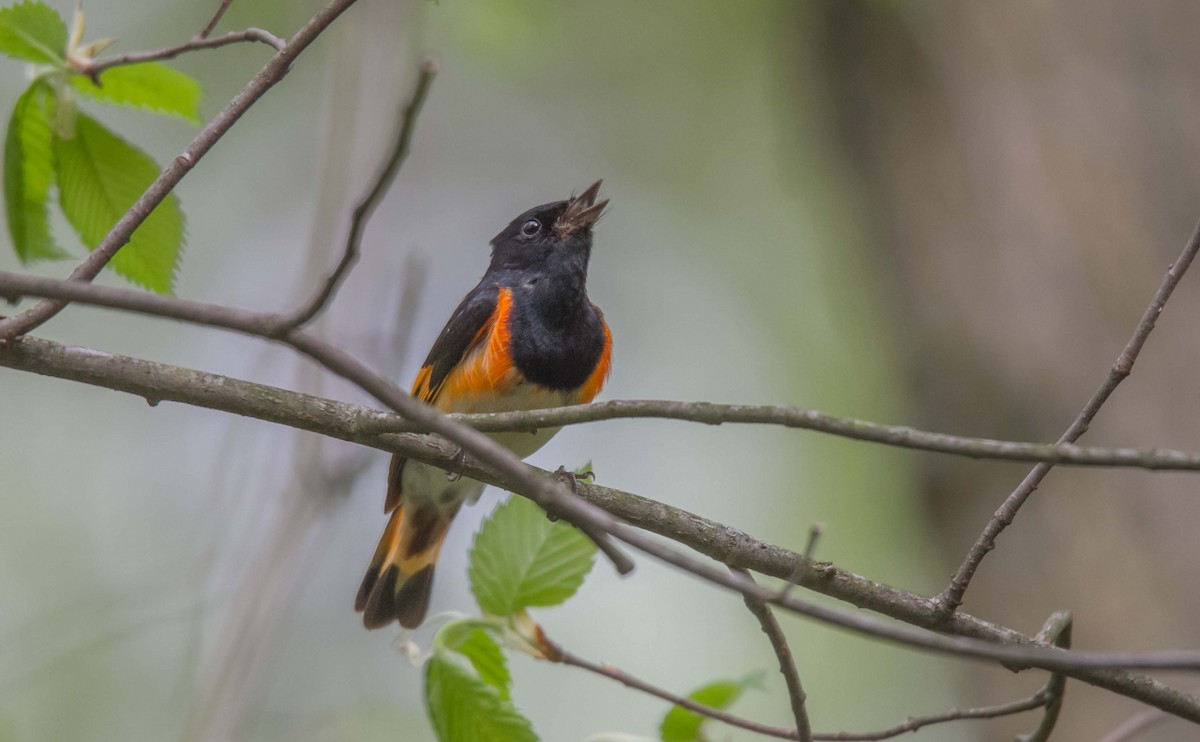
{"x":1056,"y":632}
{"x":266,"y":37}
{"x":787,"y":664}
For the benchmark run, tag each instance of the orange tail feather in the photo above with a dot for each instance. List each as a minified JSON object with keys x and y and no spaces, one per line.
{"x":399,"y":581}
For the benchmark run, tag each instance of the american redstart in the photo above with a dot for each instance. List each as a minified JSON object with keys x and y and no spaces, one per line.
{"x":526,"y":337}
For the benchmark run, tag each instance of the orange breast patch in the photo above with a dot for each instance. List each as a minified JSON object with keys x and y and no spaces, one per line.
{"x":488,"y":369}
{"x":595,"y":382}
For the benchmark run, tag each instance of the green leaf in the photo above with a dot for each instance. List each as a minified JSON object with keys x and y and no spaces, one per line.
{"x":34,"y":32}
{"x":100,"y":176}
{"x":682,"y":725}
{"x":521,"y":559}
{"x":28,"y":173}
{"x":151,"y":86}
{"x":471,"y":638}
{"x":486,"y":657}
{"x":463,"y":709}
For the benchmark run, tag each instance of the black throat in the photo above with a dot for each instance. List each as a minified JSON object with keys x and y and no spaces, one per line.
{"x":557,"y":333}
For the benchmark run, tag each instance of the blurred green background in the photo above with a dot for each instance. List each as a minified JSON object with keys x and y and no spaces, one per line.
{"x":943,"y":214}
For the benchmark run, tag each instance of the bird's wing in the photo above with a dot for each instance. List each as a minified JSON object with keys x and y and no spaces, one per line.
{"x":465,"y":330}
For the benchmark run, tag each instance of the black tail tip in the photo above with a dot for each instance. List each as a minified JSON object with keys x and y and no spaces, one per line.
{"x":387,"y":599}
{"x":412,"y":601}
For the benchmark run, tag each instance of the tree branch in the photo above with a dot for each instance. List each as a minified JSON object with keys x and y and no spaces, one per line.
{"x":787,"y":664}
{"x":1056,"y":632}
{"x":275,"y":326}
{"x":952,"y":597}
{"x":969,"y":636}
{"x":629,"y":681}
{"x":119,"y":235}
{"x":919,"y":722}
{"x":898,"y":436}
{"x":252,"y":35}
{"x":366,"y":207}
{"x":555,"y":653}
{"x":212,"y":22}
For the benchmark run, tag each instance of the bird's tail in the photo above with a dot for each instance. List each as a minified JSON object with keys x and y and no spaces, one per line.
{"x":398,"y":582}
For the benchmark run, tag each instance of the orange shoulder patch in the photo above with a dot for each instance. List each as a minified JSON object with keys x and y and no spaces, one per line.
{"x":486,"y":369}
{"x":595,"y":382}
{"x":420,"y":387}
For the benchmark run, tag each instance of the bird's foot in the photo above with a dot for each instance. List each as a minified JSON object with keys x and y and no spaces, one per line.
{"x":569,"y":477}
{"x":460,"y":456}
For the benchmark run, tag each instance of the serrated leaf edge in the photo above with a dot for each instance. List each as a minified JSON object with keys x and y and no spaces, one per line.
{"x":59,"y":56}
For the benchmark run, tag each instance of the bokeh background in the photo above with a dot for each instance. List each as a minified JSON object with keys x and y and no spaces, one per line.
{"x":942,"y":214}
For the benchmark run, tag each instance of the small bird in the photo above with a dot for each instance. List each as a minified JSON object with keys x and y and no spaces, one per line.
{"x":526,"y":337}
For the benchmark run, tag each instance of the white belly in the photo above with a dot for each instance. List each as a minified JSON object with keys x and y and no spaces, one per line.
{"x":425,"y":482}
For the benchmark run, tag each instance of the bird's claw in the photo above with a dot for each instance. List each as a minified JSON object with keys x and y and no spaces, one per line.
{"x":460,"y":456}
{"x":569,"y":477}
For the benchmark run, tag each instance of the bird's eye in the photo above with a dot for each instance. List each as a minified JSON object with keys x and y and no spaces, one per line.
{"x":531,"y":227}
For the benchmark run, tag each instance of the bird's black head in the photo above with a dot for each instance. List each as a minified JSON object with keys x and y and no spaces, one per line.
{"x":554,"y":237}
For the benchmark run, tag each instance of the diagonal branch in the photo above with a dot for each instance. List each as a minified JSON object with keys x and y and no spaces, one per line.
{"x":560,"y":655}
{"x":366,"y":208}
{"x":119,"y":235}
{"x":787,"y":664}
{"x":216,"y":18}
{"x":969,"y":636}
{"x":952,"y":597}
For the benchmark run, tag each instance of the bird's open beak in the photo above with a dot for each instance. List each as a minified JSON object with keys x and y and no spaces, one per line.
{"x":582,"y":212}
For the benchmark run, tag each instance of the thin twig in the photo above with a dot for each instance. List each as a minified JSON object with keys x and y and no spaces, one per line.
{"x":787,"y":664}
{"x":919,"y":722}
{"x":906,"y":726}
{"x":274,"y":71}
{"x":260,"y":324}
{"x":256,"y":35}
{"x":629,"y":681}
{"x":952,"y":597}
{"x":899,"y":436}
{"x":814,"y":535}
{"x":1056,"y":632}
{"x":157,"y":381}
{"x":806,"y":558}
{"x":366,"y":207}
{"x":212,"y":23}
